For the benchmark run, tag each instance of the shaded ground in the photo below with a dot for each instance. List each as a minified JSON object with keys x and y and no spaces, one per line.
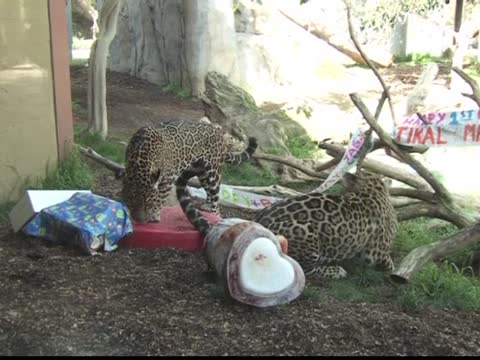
{"x":56,"y":301}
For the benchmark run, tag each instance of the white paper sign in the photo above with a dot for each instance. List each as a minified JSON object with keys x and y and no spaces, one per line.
{"x":231,"y":196}
{"x":448,"y":128}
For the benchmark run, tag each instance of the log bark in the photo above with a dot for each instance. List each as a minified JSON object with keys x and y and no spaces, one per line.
{"x":433,"y":211}
{"x":418,"y":257}
{"x":97,"y":69}
{"x":475,"y":96}
{"x":118,"y":169}
{"x":415,"y":181}
{"x":367,"y":60}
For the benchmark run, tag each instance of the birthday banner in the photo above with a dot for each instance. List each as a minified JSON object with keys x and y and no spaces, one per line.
{"x":349,"y":160}
{"x":449,"y":128}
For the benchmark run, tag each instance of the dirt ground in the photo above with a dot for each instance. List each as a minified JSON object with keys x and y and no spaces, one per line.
{"x":56,"y":301}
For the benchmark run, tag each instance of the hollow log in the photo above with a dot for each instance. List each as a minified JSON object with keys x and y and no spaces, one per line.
{"x":253,"y":264}
{"x":418,"y":257}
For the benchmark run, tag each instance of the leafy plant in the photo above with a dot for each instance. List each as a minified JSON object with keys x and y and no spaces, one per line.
{"x":109,"y":148}
{"x":443,"y":286}
{"x":301,"y":146}
{"x":414,"y":233}
{"x":70,"y":174}
{"x":177,"y":90}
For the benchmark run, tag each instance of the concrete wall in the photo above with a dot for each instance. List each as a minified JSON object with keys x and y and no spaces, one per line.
{"x":28,"y":129}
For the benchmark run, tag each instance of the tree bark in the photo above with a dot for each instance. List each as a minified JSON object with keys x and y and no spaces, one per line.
{"x":196,"y":36}
{"x":418,"y":257}
{"x":97,"y":70}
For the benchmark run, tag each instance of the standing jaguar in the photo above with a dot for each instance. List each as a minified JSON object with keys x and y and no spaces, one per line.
{"x":323,"y":229}
{"x":156,"y":155}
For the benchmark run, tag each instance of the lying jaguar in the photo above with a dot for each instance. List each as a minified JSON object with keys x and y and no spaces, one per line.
{"x":323,"y":229}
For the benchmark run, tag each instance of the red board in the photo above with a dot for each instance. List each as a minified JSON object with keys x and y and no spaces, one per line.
{"x":173,"y":230}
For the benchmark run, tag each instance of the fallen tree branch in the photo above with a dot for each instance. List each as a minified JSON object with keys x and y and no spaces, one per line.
{"x":402,"y":202}
{"x":337,"y":150}
{"x":369,"y":63}
{"x":433,"y":211}
{"x":413,"y":193}
{"x":418,"y":257}
{"x":475,"y":96}
{"x":118,"y":169}
{"x":294,"y":163}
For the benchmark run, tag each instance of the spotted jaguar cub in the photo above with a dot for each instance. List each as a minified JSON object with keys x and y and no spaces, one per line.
{"x":323,"y":229}
{"x":156,"y":155}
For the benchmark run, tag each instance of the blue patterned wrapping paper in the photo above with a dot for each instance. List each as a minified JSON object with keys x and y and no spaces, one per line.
{"x":85,"y":220}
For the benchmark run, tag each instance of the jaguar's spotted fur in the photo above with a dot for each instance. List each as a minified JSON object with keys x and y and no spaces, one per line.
{"x":156,"y":155}
{"x":323,"y":229}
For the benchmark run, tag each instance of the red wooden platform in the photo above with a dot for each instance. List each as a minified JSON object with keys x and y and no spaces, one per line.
{"x":173,"y":230}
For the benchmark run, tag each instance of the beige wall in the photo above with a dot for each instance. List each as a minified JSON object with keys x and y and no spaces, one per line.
{"x":28,"y":140}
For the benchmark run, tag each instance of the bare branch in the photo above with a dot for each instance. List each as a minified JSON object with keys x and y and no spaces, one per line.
{"x":367,"y":60}
{"x":337,"y":150}
{"x":294,"y":163}
{"x":342,"y":46}
{"x":118,"y":169}
{"x":443,"y":194}
{"x":475,"y":96}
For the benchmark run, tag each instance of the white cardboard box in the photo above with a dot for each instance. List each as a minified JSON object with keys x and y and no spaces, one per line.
{"x":33,"y":201}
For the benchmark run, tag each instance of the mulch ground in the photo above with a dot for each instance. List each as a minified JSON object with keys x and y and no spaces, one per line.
{"x":56,"y":301}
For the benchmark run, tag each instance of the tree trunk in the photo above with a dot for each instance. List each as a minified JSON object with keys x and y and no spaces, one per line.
{"x":171,"y":42}
{"x":97,"y":84}
{"x":196,"y":36}
{"x":85,"y":16}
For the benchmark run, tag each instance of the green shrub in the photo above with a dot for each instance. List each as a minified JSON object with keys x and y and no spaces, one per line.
{"x":442,"y":286}
{"x":72,"y":173}
{"x":108,"y":148}
{"x":247,"y":174}
{"x":415,"y":233}
{"x":177,"y":90}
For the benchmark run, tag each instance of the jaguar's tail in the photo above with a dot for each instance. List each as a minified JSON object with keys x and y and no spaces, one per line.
{"x":237,"y":158}
{"x":193,"y":215}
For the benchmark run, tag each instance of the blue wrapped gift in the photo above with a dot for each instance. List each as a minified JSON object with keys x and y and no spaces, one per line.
{"x":85,"y":220}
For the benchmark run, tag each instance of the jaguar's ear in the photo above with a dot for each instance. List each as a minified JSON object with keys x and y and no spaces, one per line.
{"x":349,"y":180}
